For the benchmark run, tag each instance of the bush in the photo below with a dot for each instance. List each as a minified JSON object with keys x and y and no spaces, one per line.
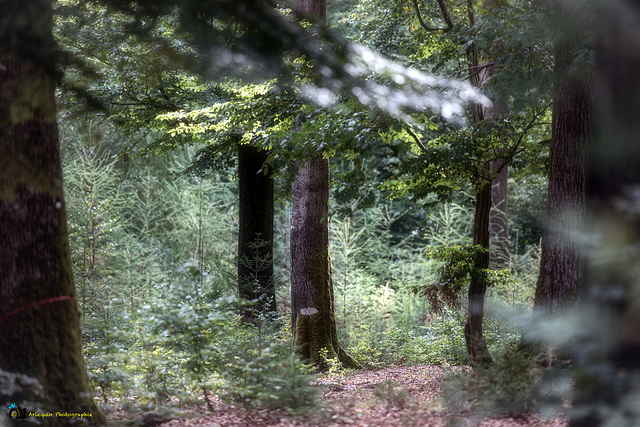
{"x":439,"y":343}
{"x":269,"y":381}
{"x":183,"y":350}
{"x":512,"y":385}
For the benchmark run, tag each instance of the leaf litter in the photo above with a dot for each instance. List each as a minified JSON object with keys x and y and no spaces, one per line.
{"x":395,"y":396}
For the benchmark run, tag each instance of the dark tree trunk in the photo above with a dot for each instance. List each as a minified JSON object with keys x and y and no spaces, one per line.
{"x":315,"y":8}
{"x":476,"y":344}
{"x":39,"y":321}
{"x":255,"y":239}
{"x":561,"y":265}
{"x":312,"y":300}
{"x":608,"y":355}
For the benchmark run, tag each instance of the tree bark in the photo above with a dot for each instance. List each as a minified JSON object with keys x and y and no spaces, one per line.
{"x":473,"y":331}
{"x":476,"y":344}
{"x":560,"y":274}
{"x":499,"y":255}
{"x":315,"y":8}
{"x":39,"y":321}
{"x":312,"y":300}
{"x":255,"y":239}
{"x":608,"y":352}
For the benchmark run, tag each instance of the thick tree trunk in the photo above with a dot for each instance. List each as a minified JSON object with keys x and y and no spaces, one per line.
{"x":561,"y":265}
{"x":315,"y":8}
{"x":608,"y":354}
{"x":476,"y":344}
{"x":255,"y":239}
{"x":39,"y":321}
{"x":312,"y":300}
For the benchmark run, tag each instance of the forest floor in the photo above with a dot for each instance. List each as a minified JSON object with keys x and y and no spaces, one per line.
{"x":357,"y":399}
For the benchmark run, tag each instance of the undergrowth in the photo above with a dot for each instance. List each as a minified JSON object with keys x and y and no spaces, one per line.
{"x":516,"y":383}
{"x":172,"y":354}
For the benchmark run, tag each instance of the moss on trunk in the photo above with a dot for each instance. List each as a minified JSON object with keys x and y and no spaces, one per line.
{"x":312,"y":298}
{"x":39,"y":322}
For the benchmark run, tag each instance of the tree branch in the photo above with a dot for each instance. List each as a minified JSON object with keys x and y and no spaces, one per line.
{"x":416,"y":139}
{"x":445,"y":16}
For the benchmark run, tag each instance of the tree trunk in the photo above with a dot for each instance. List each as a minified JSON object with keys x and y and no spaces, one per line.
{"x":499,"y":255}
{"x":312,"y":301}
{"x":315,"y":8}
{"x":561,"y":264}
{"x":39,"y":321}
{"x":476,"y":344}
{"x":608,"y":353}
{"x":255,"y":239}
{"x":473,"y":334}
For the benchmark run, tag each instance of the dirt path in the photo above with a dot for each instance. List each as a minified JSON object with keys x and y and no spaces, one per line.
{"x":358,"y":399}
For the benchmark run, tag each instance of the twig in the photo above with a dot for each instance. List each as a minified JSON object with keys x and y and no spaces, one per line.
{"x":445,"y":16}
{"x":416,"y":139}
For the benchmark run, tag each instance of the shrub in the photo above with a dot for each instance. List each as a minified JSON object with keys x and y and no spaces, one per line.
{"x":512,"y":385}
{"x":391,"y":395}
{"x":184,"y":350}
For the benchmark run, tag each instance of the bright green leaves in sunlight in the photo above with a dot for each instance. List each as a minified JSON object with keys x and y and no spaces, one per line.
{"x":183,"y":38}
{"x":241,"y":113}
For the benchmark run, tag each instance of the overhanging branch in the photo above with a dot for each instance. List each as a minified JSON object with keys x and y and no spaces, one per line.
{"x":445,"y":16}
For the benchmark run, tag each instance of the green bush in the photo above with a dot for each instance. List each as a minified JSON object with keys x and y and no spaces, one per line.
{"x":512,"y":385}
{"x":439,"y":343}
{"x":269,"y":380}
{"x":175,"y":349}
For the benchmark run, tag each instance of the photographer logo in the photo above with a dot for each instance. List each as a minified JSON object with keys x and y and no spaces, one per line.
{"x":16,"y":412}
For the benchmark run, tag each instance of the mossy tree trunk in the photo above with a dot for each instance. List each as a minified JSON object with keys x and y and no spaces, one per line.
{"x":312,"y":300}
{"x":255,"y":238}
{"x":39,"y":321}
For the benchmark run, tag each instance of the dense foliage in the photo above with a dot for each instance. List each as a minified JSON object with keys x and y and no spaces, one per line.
{"x":154,"y":255}
{"x":151,"y":194}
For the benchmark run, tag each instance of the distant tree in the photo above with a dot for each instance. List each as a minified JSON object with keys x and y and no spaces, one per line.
{"x":39,"y":321}
{"x":255,"y":235}
{"x":494,"y":42}
{"x":474,"y":337}
{"x":147,"y":89}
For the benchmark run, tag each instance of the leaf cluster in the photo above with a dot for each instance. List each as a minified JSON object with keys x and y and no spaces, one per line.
{"x":458,"y":157}
{"x":458,"y":267}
